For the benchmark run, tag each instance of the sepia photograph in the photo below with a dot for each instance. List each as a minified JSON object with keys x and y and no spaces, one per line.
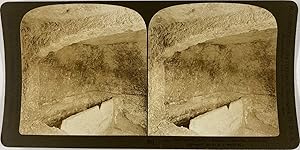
{"x":84,"y":71}
{"x":149,"y":74}
{"x":212,"y":71}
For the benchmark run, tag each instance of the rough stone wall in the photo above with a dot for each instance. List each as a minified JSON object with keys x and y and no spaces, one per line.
{"x":75,"y":56}
{"x":210,"y":60}
{"x":178,"y":27}
{"x":243,"y":63}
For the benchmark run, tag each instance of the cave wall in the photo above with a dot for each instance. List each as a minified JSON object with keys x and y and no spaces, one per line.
{"x":116,"y":68}
{"x":201,"y":62}
{"x":218,"y":72}
{"x":243,"y":63}
{"x":75,"y":56}
{"x":178,"y":27}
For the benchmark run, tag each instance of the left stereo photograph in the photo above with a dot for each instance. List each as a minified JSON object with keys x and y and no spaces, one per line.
{"x":84,"y":71}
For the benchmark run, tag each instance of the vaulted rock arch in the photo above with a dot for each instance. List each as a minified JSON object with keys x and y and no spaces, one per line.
{"x":205,"y":56}
{"x":76,"y":56}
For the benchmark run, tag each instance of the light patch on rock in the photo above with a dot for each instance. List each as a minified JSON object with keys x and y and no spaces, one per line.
{"x":83,"y":123}
{"x":106,"y":116}
{"x":108,"y":120}
{"x":219,"y":122}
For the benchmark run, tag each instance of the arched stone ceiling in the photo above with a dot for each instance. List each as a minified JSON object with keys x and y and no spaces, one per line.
{"x":189,"y":24}
{"x":56,"y":26}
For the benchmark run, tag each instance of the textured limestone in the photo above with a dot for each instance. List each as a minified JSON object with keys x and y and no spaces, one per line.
{"x":229,"y":67}
{"x":124,"y":126}
{"x":203,"y":62}
{"x":110,"y":119}
{"x":178,"y":27}
{"x":76,"y":56}
{"x":121,"y":117}
{"x":40,"y":128}
{"x":166,"y":128}
{"x":54,"y":27}
{"x":260,"y":116}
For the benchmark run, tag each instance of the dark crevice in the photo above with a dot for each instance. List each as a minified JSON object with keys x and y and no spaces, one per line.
{"x":184,"y":123}
{"x":56,"y":124}
{"x":98,"y":104}
{"x":228,"y":105}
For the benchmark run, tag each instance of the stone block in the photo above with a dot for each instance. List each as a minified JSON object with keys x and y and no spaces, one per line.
{"x":93,"y":121}
{"x":222,"y":121}
{"x":83,"y":123}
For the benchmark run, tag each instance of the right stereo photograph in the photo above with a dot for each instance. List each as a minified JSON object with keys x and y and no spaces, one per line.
{"x":212,"y":71}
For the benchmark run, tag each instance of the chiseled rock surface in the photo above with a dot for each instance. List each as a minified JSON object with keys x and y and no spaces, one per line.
{"x":211,"y":74}
{"x":221,"y":71}
{"x":40,"y":128}
{"x":209,"y":60}
{"x":50,"y":28}
{"x":178,"y":27}
{"x":123,"y":126}
{"x":222,"y":121}
{"x":134,"y":108}
{"x":260,"y":116}
{"x":76,"y":56}
{"x":127,"y":118}
{"x":166,"y":128}
{"x":233,"y":65}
